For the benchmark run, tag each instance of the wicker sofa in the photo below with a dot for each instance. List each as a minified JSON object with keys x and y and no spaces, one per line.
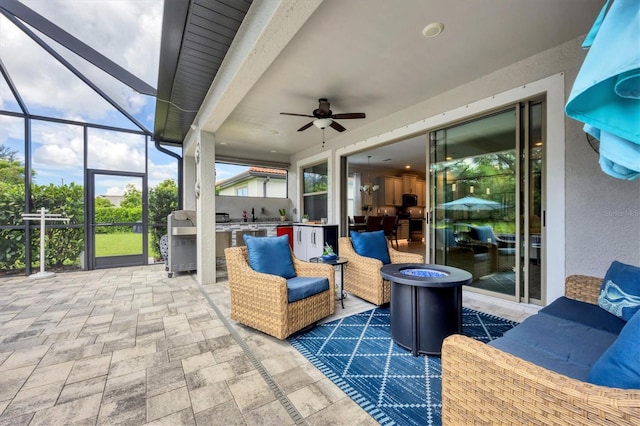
{"x":362,"y":274}
{"x":260,"y":300}
{"x":485,"y":385}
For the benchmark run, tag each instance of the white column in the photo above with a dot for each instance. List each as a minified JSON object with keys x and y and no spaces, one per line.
{"x":189,"y":178}
{"x":206,"y":208}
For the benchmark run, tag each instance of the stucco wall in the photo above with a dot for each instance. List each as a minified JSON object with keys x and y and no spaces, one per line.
{"x":602,"y":220}
{"x":603,"y":213}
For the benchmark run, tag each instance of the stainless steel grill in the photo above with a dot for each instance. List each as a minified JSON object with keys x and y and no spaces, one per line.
{"x":181,"y":229}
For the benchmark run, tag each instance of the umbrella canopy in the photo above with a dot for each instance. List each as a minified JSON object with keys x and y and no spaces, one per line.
{"x":606,"y":92}
{"x":471,"y":203}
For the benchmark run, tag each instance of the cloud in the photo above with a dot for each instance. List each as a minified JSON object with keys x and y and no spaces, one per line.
{"x":116,"y":151}
{"x":57,"y":146}
{"x":161,"y":172}
{"x":114,"y":190}
{"x":127,"y":32}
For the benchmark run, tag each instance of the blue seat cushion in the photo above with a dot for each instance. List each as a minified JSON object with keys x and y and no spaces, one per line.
{"x":619,"y":366}
{"x":584,"y":313}
{"x":557,"y":344}
{"x":507,"y":251}
{"x":270,"y":255}
{"x":299,"y":288}
{"x":620,"y":292}
{"x":371,"y":244}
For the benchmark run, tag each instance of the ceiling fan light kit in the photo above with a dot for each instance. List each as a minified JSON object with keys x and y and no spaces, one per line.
{"x":322,"y":123}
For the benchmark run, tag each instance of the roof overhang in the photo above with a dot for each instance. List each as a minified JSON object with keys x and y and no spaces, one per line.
{"x":196,"y":36}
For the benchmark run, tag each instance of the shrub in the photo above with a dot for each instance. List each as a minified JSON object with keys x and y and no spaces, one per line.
{"x":163,"y":199}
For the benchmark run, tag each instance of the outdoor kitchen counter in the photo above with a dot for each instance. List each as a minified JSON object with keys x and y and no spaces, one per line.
{"x":233,"y":227}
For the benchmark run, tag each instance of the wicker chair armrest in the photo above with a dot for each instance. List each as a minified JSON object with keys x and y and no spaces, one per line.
{"x":402,"y":257}
{"x":311,"y":269}
{"x":346,"y":250}
{"x":484,"y":385}
{"x":583,"y":287}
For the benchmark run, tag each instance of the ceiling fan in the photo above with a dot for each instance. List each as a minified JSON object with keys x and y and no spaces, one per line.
{"x":324,"y":117}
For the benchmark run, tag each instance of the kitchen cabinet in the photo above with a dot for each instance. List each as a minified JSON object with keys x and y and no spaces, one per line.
{"x":421,"y":187}
{"x":285,"y":230}
{"x":403,"y":229}
{"x":309,"y":240}
{"x":412,"y":184}
{"x":409,"y":184}
{"x":390,"y":192}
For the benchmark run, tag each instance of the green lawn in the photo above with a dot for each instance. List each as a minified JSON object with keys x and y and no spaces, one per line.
{"x":119,"y":244}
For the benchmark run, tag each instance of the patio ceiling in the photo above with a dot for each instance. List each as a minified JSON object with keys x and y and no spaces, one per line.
{"x":371,"y":56}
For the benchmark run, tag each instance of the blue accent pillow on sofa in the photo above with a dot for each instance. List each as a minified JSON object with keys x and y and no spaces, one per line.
{"x":620,"y":292}
{"x":270,"y":255}
{"x":619,"y":366}
{"x":371,"y":244}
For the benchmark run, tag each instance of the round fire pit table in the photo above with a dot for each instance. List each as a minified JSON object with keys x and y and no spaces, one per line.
{"x":426,"y":304}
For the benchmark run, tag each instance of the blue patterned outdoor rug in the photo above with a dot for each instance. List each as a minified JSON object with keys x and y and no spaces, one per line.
{"x":358,"y":355}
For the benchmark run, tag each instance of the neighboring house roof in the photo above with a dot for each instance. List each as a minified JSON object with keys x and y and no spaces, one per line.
{"x":252,"y":173}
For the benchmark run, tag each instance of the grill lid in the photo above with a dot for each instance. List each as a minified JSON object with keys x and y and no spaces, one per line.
{"x":222,"y":217}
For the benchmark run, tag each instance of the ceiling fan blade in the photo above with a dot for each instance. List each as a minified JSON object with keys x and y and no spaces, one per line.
{"x":306,"y":126}
{"x":337,"y":126}
{"x":349,"y":115}
{"x":324,"y":106}
{"x":297,"y":115}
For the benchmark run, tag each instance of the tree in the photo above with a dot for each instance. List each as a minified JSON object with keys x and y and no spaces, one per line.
{"x":163,"y":199}
{"x":11,"y":169}
{"x":132,"y":197}
{"x":102,"y":202}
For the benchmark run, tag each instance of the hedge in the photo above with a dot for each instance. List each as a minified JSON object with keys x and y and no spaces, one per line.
{"x":68,"y":200}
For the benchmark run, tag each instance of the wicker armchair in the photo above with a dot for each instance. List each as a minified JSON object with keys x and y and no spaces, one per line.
{"x":483,"y":385}
{"x":362,"y":274}
{"x":260,"y":300}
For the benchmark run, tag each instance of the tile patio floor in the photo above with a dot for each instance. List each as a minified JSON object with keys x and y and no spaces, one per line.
{"x":131,"y":346}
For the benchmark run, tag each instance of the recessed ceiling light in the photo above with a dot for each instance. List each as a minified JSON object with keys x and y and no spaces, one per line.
{"x":273,"y":151}
{"x":433,"y":29}
{"x":223,"y":143}
{"x":449,"y":158}
{"x":408,"y":166}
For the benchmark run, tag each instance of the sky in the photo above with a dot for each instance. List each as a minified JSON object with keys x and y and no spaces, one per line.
{"x":126,"y":31}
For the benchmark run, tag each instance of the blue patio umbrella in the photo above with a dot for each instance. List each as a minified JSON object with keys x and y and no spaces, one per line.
{"x":471,"y":204}
{"x":606,"y":93}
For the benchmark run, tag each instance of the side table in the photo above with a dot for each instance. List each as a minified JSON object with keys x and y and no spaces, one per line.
{"x":339,"y":262}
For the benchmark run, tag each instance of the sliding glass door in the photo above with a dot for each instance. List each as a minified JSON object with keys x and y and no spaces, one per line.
{"x":486,"y":201}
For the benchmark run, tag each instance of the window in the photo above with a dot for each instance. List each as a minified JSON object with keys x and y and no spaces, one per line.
{"x":242,"y":192}
{"x":314,"y":188}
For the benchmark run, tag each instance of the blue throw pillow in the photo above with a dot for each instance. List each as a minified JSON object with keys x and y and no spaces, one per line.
{"x":371,"y":244}
{"x":619,"y":366}
{"x":620,"y":292}
{"x":270,"y":255}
